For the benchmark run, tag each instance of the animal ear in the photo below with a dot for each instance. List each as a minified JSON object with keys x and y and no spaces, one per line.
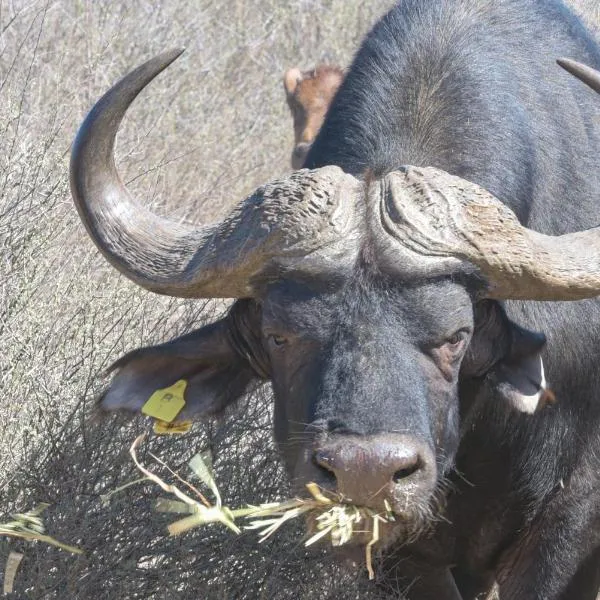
{"x":291,"y":79}
{"x":196,"y":375}
{"x":507,"y":359}
{"x":519,"y":378}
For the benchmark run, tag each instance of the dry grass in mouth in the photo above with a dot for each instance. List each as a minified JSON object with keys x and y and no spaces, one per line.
{"x":333,"y":519}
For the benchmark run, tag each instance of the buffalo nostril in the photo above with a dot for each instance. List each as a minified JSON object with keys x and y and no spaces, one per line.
{"x":406,"y":471}
{"x":324,"y":464}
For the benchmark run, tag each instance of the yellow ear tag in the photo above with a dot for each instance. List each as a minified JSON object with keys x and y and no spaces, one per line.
{"x":167,"y":403}
{"x":162,"y":427}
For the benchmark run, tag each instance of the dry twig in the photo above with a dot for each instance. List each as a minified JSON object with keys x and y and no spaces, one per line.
{"x":334,"y":518}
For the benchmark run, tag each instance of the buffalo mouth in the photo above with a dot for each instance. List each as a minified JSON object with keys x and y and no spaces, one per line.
{"x":384,"y":486}
{"x":390,"y":529}
{"x":344,"y":525}
{"x":356,"y":533}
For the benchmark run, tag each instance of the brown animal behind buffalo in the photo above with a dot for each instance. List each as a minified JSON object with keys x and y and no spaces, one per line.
{"x":309,"y":95}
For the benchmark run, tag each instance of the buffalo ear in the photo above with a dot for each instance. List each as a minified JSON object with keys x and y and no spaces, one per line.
{"x":507,"y":360}
{"x":519,"y":378}
{"x":215,"y":373}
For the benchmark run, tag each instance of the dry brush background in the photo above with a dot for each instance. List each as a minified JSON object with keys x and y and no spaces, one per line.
{"x":208,"y":131}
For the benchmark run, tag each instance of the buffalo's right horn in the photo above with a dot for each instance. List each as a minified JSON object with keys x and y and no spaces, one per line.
{"x":584,"y":73}
{"x":289,"y":218}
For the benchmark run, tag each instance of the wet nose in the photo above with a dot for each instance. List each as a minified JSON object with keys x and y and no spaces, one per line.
{"x":377,"y":470}
{"x":299,"y":155}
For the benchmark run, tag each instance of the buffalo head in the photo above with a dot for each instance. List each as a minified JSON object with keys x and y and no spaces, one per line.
{"x":366,"y":303}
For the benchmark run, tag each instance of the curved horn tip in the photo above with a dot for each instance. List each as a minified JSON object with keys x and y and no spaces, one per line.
{"x":157,"y":64}
{"x":111,"y":107}
{"x":586,"y":74}
{"x":568,"y":64}
{"x":562,"y":61}
{"x":127,"y":89}
{"x":169,"y":55}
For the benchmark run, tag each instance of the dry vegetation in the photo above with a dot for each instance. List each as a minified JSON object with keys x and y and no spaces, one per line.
{"x":207,"y":132}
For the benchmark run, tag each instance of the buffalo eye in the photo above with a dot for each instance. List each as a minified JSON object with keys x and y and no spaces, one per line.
{"x":276,"y":340}
{"x":449,"y":352}
{"x":456,"y":341}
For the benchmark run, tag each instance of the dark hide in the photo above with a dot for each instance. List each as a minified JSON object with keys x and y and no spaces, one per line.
{"x":472,"y":88}
{"x":420,"y":385}
{"x":506,"y":359}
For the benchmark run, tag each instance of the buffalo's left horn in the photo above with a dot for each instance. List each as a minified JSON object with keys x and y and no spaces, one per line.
{"x":437,"y":216}
{"x":291,"y":217}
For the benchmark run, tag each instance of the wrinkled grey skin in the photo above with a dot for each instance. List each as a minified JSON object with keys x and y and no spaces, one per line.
{"x":414,"y":391}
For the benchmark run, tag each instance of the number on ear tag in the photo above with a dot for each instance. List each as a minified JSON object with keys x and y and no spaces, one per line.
{"x":167,"y":403}
{"x":179,"y":427}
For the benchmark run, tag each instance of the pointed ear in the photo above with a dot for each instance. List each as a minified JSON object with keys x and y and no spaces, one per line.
{"x":291,"y":79}
{"x":216,"y":362}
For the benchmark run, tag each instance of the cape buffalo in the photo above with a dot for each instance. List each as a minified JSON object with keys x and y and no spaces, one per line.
{"x":407,"y":296}
{"x":309,"y":95}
